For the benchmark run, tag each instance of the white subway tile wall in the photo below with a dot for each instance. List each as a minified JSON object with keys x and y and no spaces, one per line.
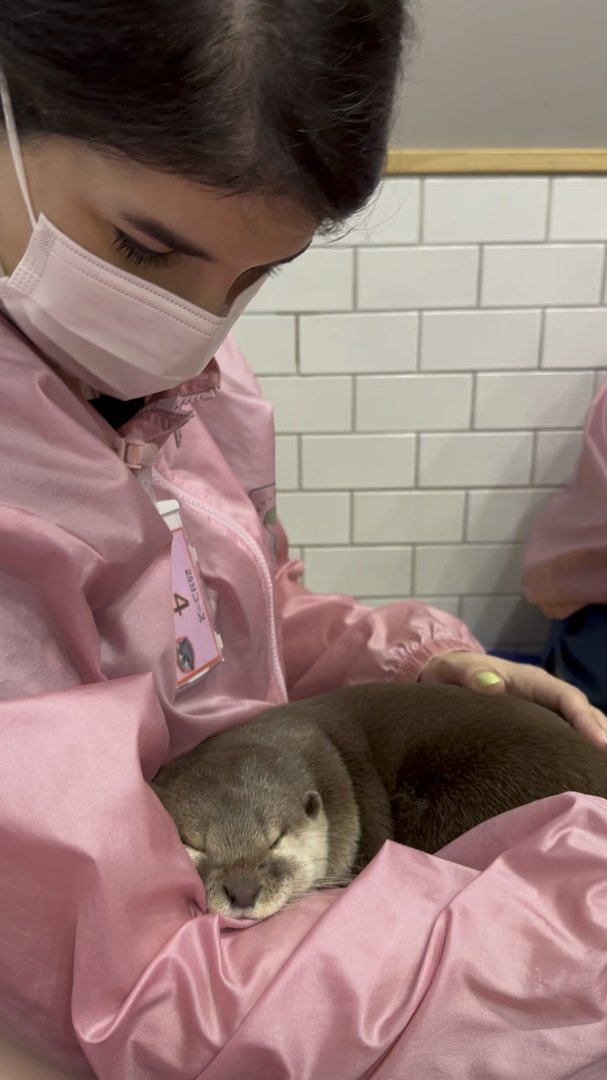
{"x":393,"y":217}
{"x":531,"y":275}
{"x":556,"y":455}
{"x":410,"y":517}
{"x":357,"y":343}
{"x":332,"y":462}
{"x":498,"y":516}
{"x":575,"y":339}
{"x":315,"y":404}
{"x":579,"y":209}
{"x":475,"y":460}
{"x":484,"y":210}
{"x":430,"y":369}
{"x":322,"y":281}
{"x":413,"y":402}
{"x":268,"y":342}
{"x":316,"y":517}
{"x":469,"y":569}
{"x":360,"y":571}
{"x":544,"y":399}
{"x":287,"y":462}
{"x":417,"y":277}
{"x":480,"y":340}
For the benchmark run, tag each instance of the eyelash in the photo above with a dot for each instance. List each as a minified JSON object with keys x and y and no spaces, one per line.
{"x":137,"y":253}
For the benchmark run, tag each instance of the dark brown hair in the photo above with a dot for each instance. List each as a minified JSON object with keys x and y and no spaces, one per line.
{"x":286,"y":97}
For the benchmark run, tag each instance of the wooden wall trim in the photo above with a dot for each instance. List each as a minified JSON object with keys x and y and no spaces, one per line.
{"x":454,"y":161}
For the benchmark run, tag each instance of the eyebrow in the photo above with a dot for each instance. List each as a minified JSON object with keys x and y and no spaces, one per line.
{"x":159,"y":232}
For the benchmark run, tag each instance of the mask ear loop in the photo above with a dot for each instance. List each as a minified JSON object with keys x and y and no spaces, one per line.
{"x":15,"y":146}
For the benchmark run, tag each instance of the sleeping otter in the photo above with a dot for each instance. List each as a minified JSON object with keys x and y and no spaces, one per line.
{"x":305,"y":795}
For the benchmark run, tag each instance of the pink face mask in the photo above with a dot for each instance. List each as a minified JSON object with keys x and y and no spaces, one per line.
{"x":115,"y":332}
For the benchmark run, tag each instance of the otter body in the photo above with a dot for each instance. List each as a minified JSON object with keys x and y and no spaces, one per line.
{"x":306,"y":794}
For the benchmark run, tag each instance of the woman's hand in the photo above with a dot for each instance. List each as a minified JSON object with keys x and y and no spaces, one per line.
{"x":489,"y":675}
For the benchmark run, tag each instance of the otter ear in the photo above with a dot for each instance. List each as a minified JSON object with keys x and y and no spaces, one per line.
{"x":312,"y":804}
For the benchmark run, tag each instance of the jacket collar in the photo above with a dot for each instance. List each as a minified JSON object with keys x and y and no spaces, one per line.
{"x":140,"y":440}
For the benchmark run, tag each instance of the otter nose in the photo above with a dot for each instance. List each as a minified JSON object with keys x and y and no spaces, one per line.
{"x":242,"y":890}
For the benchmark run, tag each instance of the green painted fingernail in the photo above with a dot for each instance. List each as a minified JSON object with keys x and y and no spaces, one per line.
{"x":487,"y":678}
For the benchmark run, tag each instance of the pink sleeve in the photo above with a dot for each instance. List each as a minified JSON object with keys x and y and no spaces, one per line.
{"x":488,"y":962}
{"x":566,"y":552}
{"x":332,"y":640}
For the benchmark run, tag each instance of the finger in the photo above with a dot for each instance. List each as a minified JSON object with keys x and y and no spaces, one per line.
{"x":572,"y":704}
{"x":486,"y":681}
{"x":590,"y":722}
{"x":591,"y":728}
{"x":538,"y":686}
{"x":459,"y":669}
{"x":601,"y":721}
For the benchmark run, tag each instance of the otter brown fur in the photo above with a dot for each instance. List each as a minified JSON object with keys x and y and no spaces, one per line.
{"x":307,"y":793}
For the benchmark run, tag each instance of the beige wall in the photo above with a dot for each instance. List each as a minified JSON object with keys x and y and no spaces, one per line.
{"x":507,"y":73}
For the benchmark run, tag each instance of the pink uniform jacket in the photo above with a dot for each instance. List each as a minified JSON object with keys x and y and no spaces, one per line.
{"x":488,"y":961}
{"x":566,"y":554}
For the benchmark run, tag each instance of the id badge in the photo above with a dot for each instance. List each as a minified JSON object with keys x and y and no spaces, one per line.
{"x":198,"y":647}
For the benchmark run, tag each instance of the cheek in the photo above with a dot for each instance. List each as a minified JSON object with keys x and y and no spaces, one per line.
{"x":302,"y":859}
{"x":314,"y":850}
{"x":190,"y":280}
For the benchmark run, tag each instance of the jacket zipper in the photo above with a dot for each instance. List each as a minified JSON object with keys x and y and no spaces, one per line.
{"x":258,"y":556}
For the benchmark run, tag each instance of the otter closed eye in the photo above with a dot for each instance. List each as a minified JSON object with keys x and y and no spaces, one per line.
{"x":195,"y":854}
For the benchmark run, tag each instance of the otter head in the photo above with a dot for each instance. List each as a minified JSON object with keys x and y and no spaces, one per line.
{"x":254,"y":827}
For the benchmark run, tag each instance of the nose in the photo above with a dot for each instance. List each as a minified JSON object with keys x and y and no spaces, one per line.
{"x":242,"y":890}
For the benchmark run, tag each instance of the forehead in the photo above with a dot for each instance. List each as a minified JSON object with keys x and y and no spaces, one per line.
{"x":268,"y":228}
{"x":228,"y":837}
{"x":238,"y":817}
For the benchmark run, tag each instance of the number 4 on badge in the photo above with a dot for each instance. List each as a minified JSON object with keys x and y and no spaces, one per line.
{"x":181,"y":604}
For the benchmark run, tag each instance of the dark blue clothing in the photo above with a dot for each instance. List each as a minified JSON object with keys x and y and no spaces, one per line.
{"x":576,"y":651}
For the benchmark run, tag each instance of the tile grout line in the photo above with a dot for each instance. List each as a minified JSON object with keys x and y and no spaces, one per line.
{"x":603,"y":293}
{"x":300,"y":450}
{"x":422,"y":213}
{"x":417,"y":485}
{"x":466,"y":536}
{"x":534,"y":452}
{"x":481,"y":276}
{"x":463,"y":245}
{"x":542,"y":341}
{"x":413,"y":578}
{"x":298,"y":344}
{"x":549,"y":206}
{"x":474,"y":401}
{"x":420,"y":341}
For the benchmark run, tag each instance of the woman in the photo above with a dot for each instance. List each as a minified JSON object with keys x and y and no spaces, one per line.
{"x":159,"y":161}
{"x":566,"y":565}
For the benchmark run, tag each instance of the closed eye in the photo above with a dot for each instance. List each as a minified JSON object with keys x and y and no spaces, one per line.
{"x":278,"y":839}
{"x":196,"y":855}
{"x":138,"y":253}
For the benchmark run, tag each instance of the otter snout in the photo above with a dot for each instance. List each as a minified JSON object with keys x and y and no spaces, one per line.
{"x":242,"y":889}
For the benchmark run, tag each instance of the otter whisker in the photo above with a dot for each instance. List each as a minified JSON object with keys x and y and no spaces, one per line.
{"x":332,"y":883}
{"x":311,"y":864}
{"x":296,"y":897}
